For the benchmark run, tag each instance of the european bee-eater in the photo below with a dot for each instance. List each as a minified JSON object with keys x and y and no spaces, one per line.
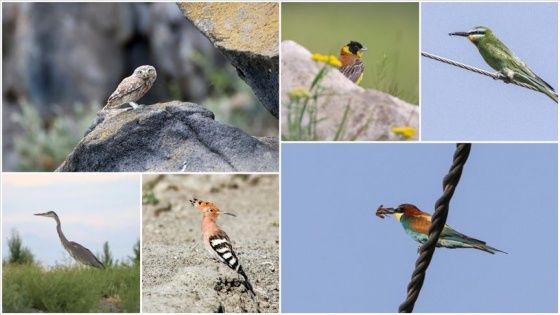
{"x":501,"y":59}
{"x":416,"y":223}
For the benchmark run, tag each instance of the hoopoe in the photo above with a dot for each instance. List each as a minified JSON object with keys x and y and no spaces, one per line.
{"x":216,"y":241}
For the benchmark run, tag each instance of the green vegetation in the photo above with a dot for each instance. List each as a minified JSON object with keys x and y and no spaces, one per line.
{"x":150,"y":198}
{"x":107,"y":257}
{"x":136,"y":249}
{"x":18,"y":254}
{"x":43,"y":145}
{"x":390,"y":31}
{"x":28,"y":288}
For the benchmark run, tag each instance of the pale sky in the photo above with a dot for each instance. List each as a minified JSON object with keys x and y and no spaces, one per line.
{"x":92,"y":208}
{"x":337,"y":256}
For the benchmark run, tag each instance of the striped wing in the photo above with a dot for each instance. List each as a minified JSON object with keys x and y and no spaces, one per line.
{"x":353,"y":70}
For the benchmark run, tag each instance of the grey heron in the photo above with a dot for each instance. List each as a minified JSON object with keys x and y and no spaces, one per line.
{"x":77,"y":251}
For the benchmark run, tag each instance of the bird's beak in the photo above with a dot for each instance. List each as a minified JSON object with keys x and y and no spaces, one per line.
{"x":464,"y":34}
{"x":363,"y":49}
{"x":228,"y":213}
{"x":41,"y":214}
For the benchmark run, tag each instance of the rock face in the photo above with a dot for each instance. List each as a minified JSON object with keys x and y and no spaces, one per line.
{"x":247,"y":35}
{"x":169,"y":137}
{"x":372,"y":113}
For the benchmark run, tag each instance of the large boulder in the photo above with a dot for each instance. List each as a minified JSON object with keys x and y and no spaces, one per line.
{"x":247,"y":35}
{"x":372,"y":114}
{"x":169,"y":137}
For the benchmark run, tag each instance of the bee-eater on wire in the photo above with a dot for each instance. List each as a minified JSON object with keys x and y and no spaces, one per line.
{"x":416,"y":223}
{"x":503,"y":60}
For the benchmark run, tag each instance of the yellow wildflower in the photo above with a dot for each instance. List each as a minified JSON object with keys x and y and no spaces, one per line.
{"x":330,"y":60}
{"x":319,"y":57}
{"x":334,"y":61}
{"x":299,"y":92}
{"x":407,"y":132}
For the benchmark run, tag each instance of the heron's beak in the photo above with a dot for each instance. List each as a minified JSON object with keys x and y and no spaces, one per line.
{"x":41,"y":214}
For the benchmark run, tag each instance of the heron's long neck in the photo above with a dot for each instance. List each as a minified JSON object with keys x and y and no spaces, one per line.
{"x":63,"y":239}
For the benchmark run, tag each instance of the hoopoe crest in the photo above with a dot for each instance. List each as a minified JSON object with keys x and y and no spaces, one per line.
{"x":216,"y":241}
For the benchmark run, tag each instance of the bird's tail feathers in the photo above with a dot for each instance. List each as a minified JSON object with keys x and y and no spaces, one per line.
{"x":246,"y":282}
{"x":488,"y":249}
{"x":538,"y":83}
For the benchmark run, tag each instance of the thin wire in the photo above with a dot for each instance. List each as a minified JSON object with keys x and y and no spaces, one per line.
{"x":439,"y":218}
{"x":495,"y":76}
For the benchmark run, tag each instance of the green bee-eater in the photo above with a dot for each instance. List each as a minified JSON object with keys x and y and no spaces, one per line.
{"x":500,"y":58}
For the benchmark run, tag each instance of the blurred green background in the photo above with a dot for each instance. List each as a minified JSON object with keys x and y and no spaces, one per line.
{"x":390,"y":31}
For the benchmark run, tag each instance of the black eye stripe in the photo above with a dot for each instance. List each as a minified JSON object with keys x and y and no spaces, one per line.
{"x":476,"y":33}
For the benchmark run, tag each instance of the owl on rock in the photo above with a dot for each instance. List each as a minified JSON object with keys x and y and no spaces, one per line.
{"x":132,"y":88}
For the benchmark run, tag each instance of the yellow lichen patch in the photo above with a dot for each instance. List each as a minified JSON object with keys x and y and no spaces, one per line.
{"x":242,"y":26}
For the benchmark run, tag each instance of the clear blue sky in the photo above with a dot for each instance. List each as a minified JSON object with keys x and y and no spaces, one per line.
{"x":337,"y":256}
{"x":93,"y":208}
{"x":461,"y":105}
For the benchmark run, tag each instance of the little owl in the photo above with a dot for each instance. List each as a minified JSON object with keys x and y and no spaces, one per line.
{"x":132,"y":88}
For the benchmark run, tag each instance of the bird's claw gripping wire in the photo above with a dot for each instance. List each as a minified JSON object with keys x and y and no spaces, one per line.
{"x":382,"y":212}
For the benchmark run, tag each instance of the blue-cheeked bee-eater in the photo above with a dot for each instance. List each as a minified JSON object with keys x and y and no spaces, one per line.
{"x":502,"y":59}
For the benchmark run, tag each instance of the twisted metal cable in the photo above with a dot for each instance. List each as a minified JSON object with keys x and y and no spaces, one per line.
{"x":496,"y":76}
{"x":439,"y":218}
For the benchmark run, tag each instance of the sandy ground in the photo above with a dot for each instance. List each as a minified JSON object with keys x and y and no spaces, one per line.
{"x":178,"y":275}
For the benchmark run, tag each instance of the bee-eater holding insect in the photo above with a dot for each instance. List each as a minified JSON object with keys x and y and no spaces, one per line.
{"x":503,"y":60}
{"x":416,"y":223}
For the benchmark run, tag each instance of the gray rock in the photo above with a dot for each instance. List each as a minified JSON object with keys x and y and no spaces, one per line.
{"x":372,"y":113}
{"x":247,"y":35}
{"x":168,"y":137}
